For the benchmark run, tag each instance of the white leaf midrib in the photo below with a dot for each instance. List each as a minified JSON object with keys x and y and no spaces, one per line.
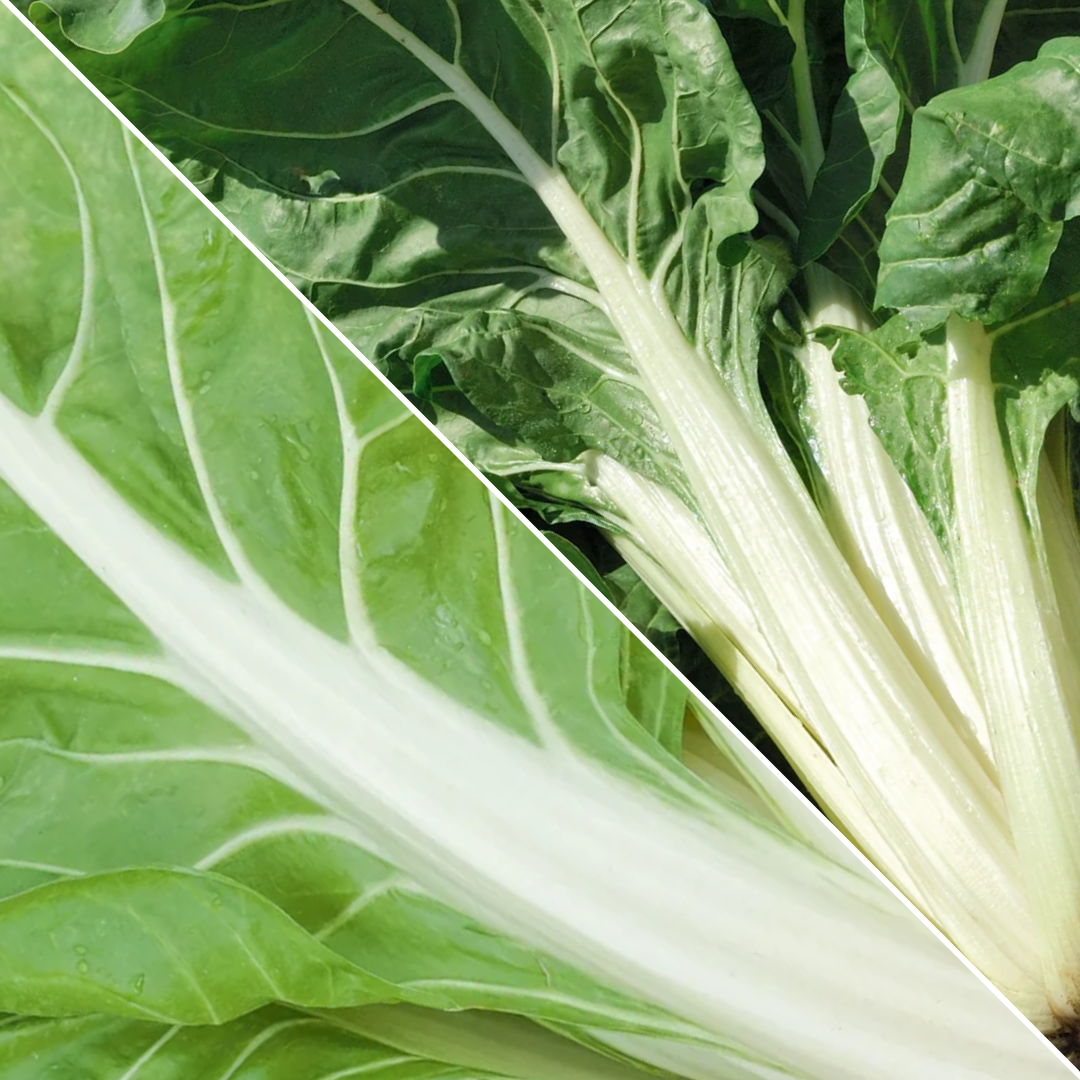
{"x":185,"y":411}
{"x":464,"y":807}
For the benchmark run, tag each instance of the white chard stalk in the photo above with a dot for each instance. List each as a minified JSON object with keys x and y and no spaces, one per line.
{"x":1018,"y":639}
{"x":839,"y":636}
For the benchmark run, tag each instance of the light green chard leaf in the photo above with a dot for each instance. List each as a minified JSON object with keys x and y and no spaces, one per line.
{"x":77,"y":738}
{"x":399,"y":1043}
{"x":994,"y":170}
{"x":273,"y":1044}
{"x":659,"y":703}
{"x":494,"y":1042}
{"x":109,"y":943}
{"x":103,"y":723}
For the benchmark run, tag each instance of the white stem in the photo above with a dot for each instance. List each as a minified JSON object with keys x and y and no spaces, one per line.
{"x":810,"y":761}
{"x":879,"y":527}
{"x":726,"y":927}
{"x":1061,"y":553}
{"x":977,"y":66}
{"x":692,"y":579}
{"x":856,"y":689}
{"x":812,"y":149}
{"x":1010,"y":621}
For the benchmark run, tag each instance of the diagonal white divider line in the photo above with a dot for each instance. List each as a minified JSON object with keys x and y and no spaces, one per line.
{"x":738,"y":738}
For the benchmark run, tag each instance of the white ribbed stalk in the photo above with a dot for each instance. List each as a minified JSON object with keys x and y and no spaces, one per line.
{"x":907,"y":767}
{"x":1061,"y":553}
{"x":690,"y":578}
{"x":1013,"y":623}
{"x":879,"y":527}
{"x":693,"y":583}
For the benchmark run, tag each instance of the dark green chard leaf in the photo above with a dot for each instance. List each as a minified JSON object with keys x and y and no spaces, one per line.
{"x":1026,"y":26}
{"x":979,"y":214}
{"x":457,"y":262}
{"x":926,"y":45}
{"x":865,"y":124}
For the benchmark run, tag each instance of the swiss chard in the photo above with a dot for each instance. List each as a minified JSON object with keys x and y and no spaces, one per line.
{"x":541,"y":219}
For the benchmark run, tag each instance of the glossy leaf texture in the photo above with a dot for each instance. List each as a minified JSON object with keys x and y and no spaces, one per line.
{"x":295,"y":555}
{"x":993,"y":174}
{"x":271,"y":1044}
{"x":156,"y":863}
{"x":865,"y":124}
{"x":981,"y":226}
{"x":443,"y":256}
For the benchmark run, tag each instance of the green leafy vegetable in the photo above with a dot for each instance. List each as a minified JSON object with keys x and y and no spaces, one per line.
{"x":540,"y":218}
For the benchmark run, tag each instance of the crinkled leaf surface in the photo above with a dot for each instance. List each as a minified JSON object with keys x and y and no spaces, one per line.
{"x":978,"y":227}
{"x":404,"y":220}
{"x":865,"y":125}
{"x":900,"y":55}
{"x":994,"y":170}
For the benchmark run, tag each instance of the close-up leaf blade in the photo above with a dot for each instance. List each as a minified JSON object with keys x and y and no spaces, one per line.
{"x":305,"y":730}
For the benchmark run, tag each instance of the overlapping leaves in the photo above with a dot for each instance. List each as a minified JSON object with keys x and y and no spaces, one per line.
{"x":156,"y":865}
